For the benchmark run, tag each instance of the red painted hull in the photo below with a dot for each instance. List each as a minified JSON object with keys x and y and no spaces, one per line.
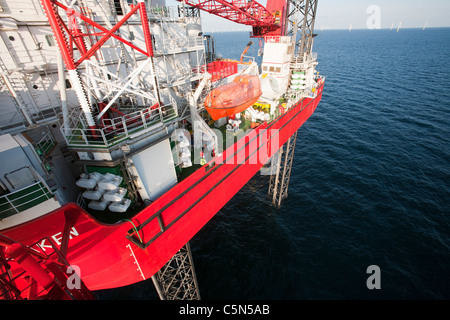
{"x":104,"y":254}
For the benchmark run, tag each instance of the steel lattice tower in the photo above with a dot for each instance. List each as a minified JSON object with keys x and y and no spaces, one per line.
{"x":177,"y":279}
{"x":281,"y":172}
{"x":300,"y":19}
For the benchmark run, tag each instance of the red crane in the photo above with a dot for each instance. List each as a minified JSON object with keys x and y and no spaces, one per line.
{"x":264,"y":20}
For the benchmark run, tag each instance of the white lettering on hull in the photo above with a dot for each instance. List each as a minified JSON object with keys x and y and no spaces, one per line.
{"x":57,"y":238}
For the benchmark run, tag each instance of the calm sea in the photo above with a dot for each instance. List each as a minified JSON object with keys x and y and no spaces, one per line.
{"x":370,"y":183}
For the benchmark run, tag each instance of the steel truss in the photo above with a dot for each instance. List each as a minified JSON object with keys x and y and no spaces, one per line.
{"x":177,"y":279}
{"x":248,"y":12}
{"x":88,"y":37}
{"x":281,"y":172}
{"x":301,"y":16}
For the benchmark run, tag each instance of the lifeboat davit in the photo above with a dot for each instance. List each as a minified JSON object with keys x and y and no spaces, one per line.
{"x":234,"y":97}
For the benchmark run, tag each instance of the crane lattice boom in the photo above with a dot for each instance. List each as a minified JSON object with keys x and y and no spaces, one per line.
{"x":248,"y":12}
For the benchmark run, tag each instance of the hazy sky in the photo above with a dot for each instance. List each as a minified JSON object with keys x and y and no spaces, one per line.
{"x":340,"y":14}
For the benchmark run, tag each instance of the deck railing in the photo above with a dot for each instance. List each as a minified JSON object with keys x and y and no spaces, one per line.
{"x":300,"y":63}
{"x":166,"y":45}
{"x":24,"y":199}
{"x":46,"y":144}
{"x":173,"y":11}
{"x":115,"y":130}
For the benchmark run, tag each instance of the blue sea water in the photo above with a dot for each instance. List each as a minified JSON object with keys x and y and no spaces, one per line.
{"x":370,"y":183}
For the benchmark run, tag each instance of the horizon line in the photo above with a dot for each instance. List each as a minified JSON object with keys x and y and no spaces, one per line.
{"x":344,"y":29}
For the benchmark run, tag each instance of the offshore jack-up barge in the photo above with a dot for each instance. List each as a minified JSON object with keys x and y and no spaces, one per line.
{"x":122,"y":135}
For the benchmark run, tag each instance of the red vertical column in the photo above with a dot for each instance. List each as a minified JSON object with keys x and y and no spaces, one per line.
{"x":76,"y":31}
{"x":146,"y":28}
{"x":58,"y":33}
{"x":57,"y":27}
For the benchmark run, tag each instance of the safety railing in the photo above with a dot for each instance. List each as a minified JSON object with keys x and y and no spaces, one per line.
{"x":166,"y":44}
{"x":308,"y":93}
{"x":301,"y":62}
{"x":173,"y":11}
{"x":163,"y":11}
{"x":112,"y":131}
{"x":44,"y":145}
{"x":23,"y":199}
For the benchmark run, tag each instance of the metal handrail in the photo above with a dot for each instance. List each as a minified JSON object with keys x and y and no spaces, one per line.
{"x":46,"y":143}
{"x":43,"y":191}
{"x":77,"y":133}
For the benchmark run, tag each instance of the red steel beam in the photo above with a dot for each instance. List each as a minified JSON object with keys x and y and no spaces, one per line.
{"x":63,"y":33}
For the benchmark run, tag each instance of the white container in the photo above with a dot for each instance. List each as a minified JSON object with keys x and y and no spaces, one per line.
{"x":115,"y":195}
{"x":88,"y":181}
{"x":93,"y":194}
{"x":121,"y":206}
{"x":98,"y":205}
{"x":110,"y":182}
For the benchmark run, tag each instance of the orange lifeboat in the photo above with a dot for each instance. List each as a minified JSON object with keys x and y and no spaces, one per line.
{"x":233,"y":97}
